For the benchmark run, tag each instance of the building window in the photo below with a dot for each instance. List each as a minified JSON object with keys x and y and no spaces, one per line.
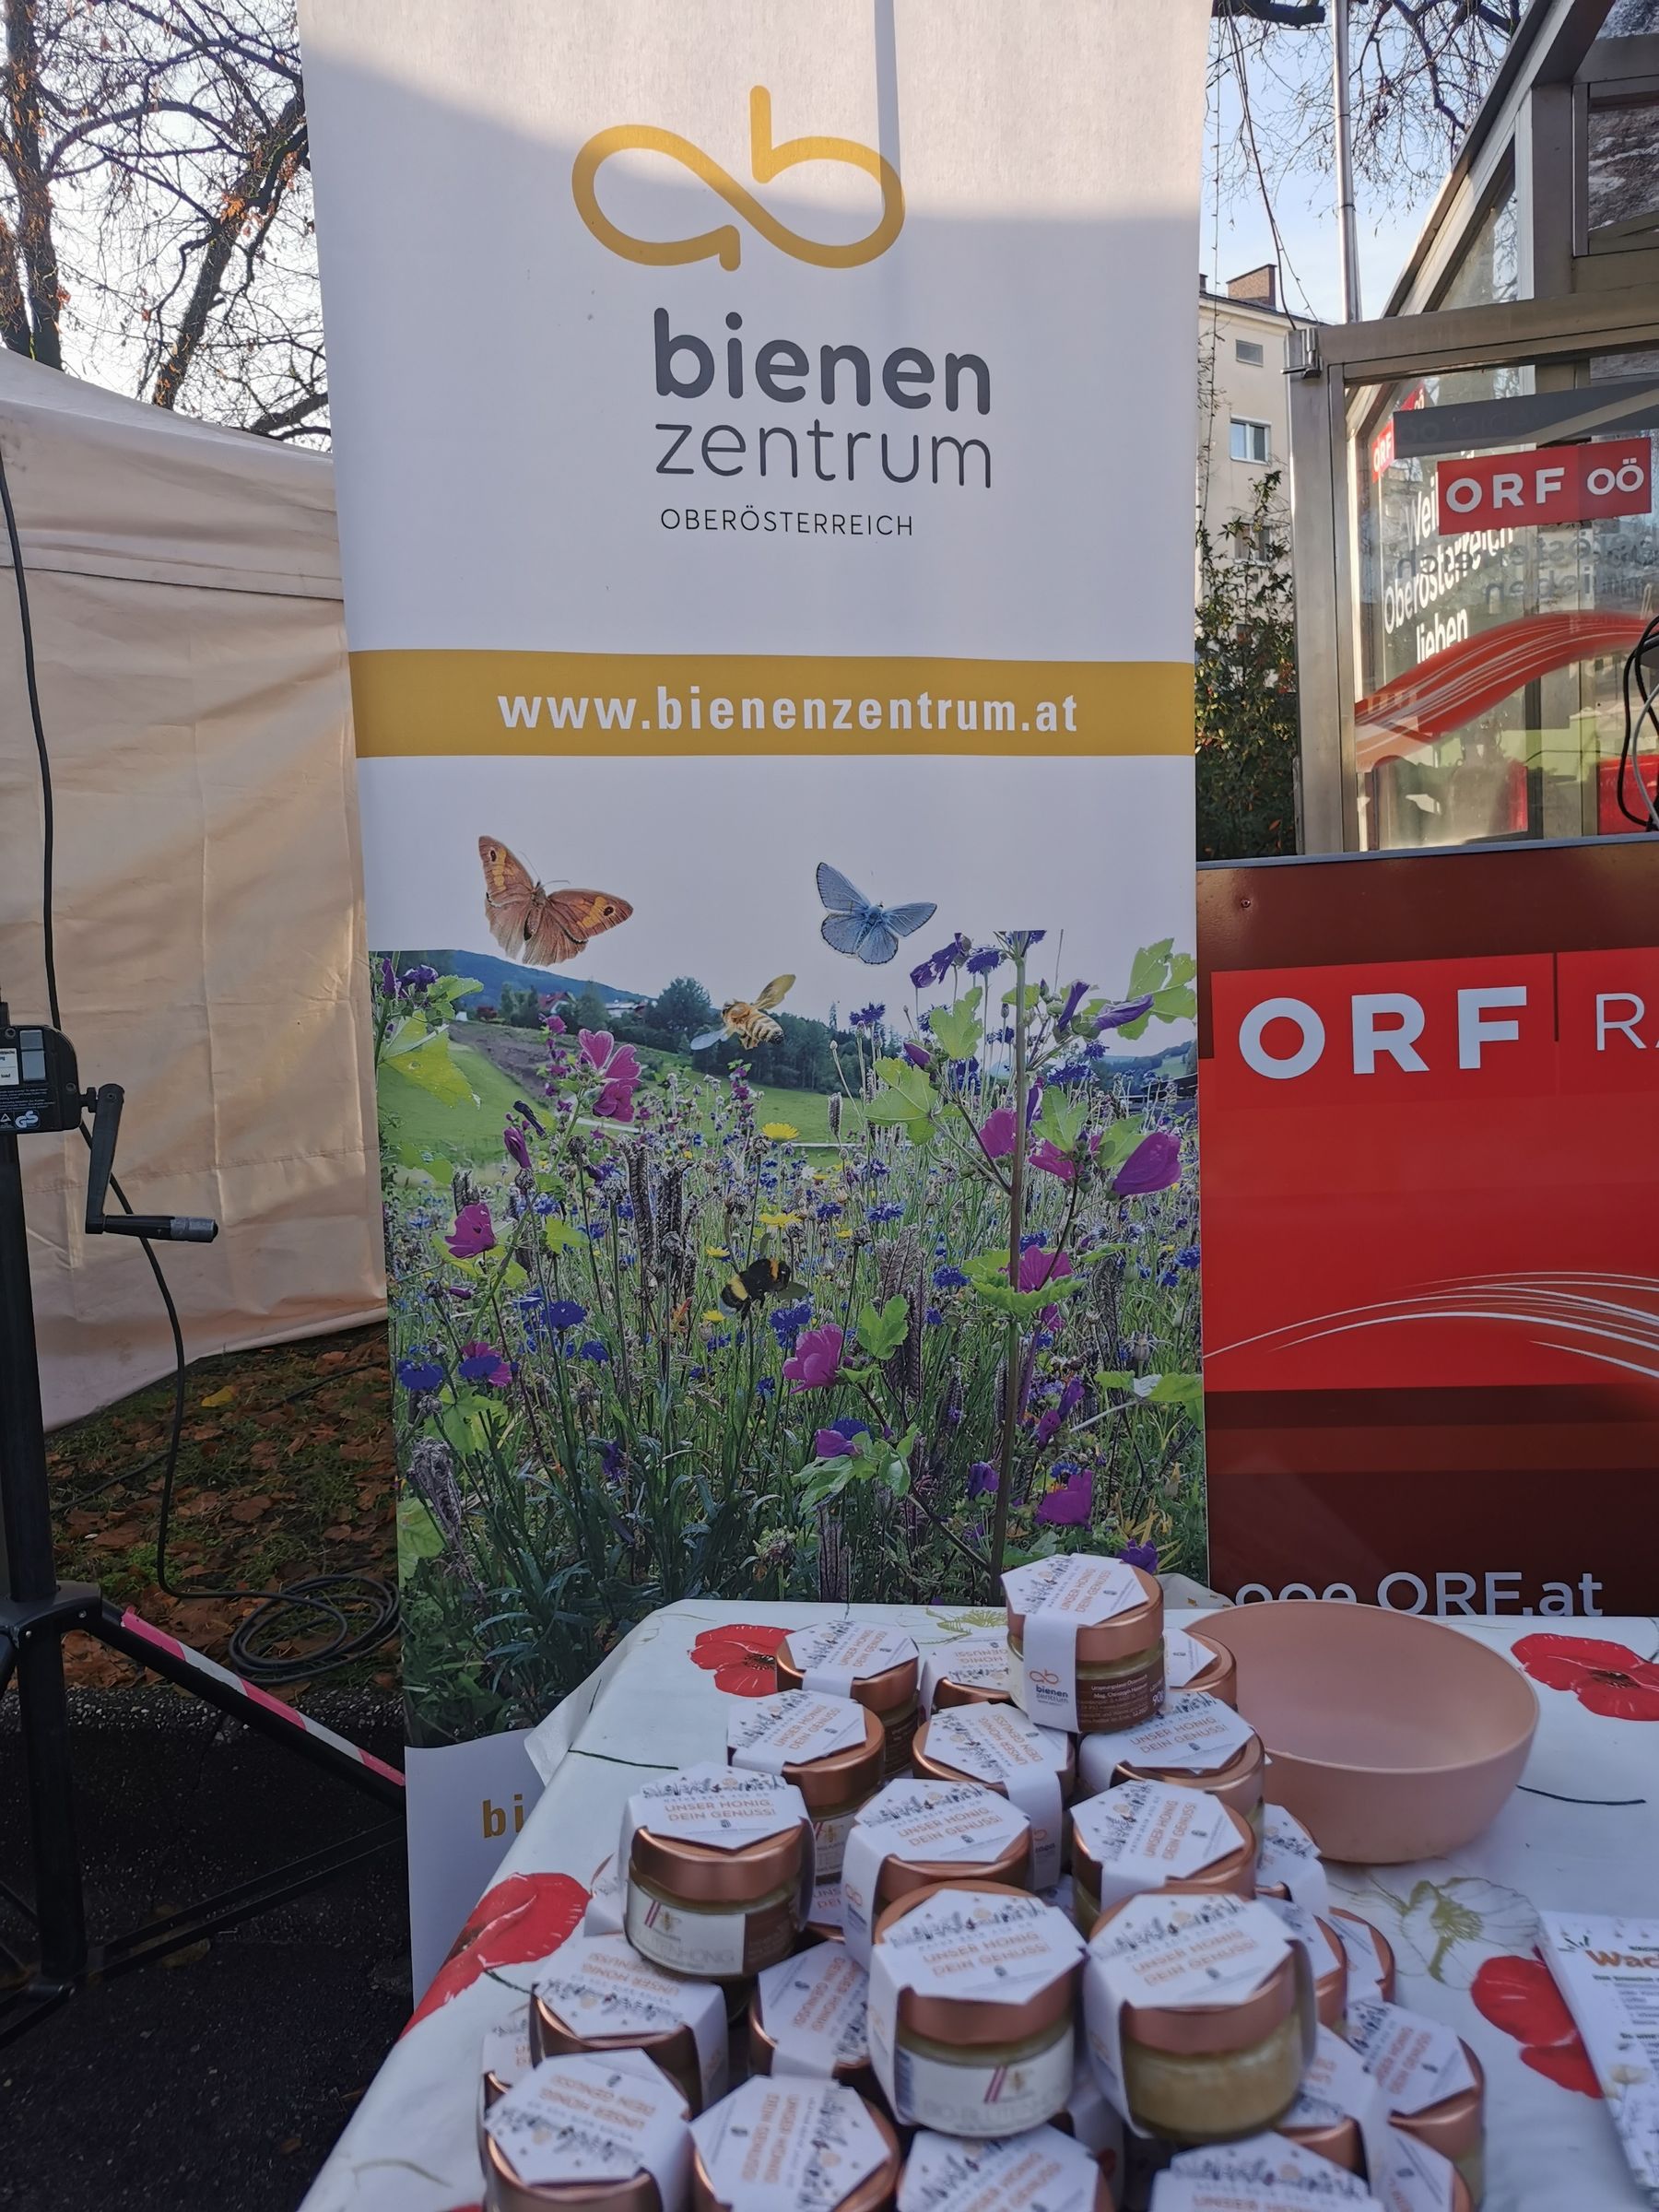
{"x":1248,"y":351}
{"x":1252,"y":441}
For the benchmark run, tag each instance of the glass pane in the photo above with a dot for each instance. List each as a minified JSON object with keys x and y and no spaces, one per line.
{"x":1623,"y":182}
{"x":1489,"y":658}
{"x":1488,"y":269}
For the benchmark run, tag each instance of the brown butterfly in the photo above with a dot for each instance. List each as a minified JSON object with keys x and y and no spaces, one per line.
{"x":543,"y":928}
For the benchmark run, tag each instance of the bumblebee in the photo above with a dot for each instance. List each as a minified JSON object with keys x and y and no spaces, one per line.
{"x":752,"y":1286}
{"x":750,"y":1024}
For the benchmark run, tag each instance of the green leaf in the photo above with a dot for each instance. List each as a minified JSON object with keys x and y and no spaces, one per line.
{"x":881,"y":1333}
{"x":419,"y":1536}
{"x":958,"y":1030}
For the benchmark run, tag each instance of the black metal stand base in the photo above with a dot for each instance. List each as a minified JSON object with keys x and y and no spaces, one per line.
{"x":35,"y":1613}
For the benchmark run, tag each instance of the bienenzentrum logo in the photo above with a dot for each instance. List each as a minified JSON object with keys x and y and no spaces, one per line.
{"x":724,"y":243}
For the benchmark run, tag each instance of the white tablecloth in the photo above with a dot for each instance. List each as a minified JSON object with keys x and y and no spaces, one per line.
{"x":1581,"y":1836}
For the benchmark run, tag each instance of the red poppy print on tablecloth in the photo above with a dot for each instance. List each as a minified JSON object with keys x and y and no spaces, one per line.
{"x":1520,"y":1997}
{"x":522,"y":1918}
{"x":1606,"y":1678}
{"x":741,"y":1658}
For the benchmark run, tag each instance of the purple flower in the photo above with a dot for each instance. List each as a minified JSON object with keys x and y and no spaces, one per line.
{"x":981,"y":1478}
{"x":996,"y":1133}
{"x":1052,"y":1160}
{"x":1073,"y":999}
{"x":983,"y":961}
{"x":1144,"y":1556}
{"x":835,"y":1442}
{"x":1154,"y":1165}
{"x":1125,"y":1012}
{"x":817,"y":1359}
{"x":482,"y":1363}
{"x":419,"y":1374}
{"x":1069,"y":1500}
{"x":474,"y":1232}
{"x":512,"y":1137}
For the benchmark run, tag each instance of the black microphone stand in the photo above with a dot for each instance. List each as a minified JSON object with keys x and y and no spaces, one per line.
{"x":40,"y":1095}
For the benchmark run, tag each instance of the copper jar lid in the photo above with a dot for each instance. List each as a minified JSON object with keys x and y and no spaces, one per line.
{"x":704,"y":1874}
{"x":1219,"y":1676}
{"x":932,"y":1768}
{"x":839,"y":1778}
{"x":1455,"y":2125}
{"x":1337,"y":2140}
{"x":982,"y":2020}
{"x":1008,"y":1868}
{"x":1378,"y":1942}
{"x":1233,"y":1871}
{"x":876,"y":2192}
{"x":503,"y":2192}
{"x":1189,"y":2029}
{"x":672,"y":2049}
{"x":1238,"y":1784}
{"x":1135,"y":1629}
{"x":893,"y":1691}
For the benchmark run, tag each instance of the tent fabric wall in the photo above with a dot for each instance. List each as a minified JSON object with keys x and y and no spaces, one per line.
{"x":184,"y":587}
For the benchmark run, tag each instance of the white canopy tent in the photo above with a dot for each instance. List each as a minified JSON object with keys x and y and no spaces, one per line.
{"x":186,"y":593}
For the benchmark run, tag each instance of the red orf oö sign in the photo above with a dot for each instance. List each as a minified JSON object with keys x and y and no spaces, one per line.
{"x":1555,"y":484}
{"x":1428,"y":1087}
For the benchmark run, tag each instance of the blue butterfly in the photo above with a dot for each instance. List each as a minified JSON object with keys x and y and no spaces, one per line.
{"x":860,"y":928}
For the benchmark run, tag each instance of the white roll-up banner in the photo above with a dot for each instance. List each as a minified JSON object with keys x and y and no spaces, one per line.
{"x":765,"y":436}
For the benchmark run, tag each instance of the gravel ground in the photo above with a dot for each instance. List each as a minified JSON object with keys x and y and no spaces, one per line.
{"x":217,"y":2084}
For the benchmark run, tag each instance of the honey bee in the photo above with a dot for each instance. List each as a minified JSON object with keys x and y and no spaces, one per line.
{"x":749,"y":1022}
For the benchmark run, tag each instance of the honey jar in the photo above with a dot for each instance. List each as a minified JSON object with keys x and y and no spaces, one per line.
{"x":1431,"y":2081}
{"x":718,"y":1872}
{"x":597,"y":1993}
{"x":1039,"y":2171}
{"x":587,"y":2133}
{"x":1197,"y":1742}
{"x":1200,"y":2015}
{"x":832,"y":1750}
{"x":807,"y":2017}
{"x":1146,"y":1835}
{"x":878,"y":1667}
{"x":917,"y":1834}
{"x":971,"y":1671}
{"x":972,"y":2013}
{"x":1194,"y":1661}
{"x":1085,"y":1643}
{"x":796,"y":2143}
{"x":1034,"y":1768}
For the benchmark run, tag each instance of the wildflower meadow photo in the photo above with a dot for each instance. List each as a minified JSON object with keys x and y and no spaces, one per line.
{"x":773,"y":1295}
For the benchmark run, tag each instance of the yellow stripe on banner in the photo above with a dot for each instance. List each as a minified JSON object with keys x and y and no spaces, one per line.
{"x":410,"y":703}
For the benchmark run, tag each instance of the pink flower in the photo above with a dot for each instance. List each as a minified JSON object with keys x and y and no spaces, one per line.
{"x":1039,"y":1268}
{"x":1154,"y":1165}
{"x":1052,"y":1160}
{"x":817,"y":1358}
{"x":996,"y":1133}
{"x":474,"y":1232}
{"x":1069,"y":1503}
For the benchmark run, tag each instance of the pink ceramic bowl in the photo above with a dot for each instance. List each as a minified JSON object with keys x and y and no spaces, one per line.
{"x":1391,"y":1737}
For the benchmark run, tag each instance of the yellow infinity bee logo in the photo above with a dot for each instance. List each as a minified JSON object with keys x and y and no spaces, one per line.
{"x":724,"y":243}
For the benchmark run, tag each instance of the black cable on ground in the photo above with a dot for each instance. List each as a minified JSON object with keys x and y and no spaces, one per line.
{"x":363,"y":1595}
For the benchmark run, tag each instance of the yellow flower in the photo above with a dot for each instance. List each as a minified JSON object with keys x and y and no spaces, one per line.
{"x":779,"y":1221}
{"x":779,"y":1132}
{"x":715,"y":1252}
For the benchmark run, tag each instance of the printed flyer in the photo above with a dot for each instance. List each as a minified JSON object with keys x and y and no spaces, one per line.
{"x":770,"y":620}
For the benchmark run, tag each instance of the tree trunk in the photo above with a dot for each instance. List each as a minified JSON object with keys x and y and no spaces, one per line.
{"x":34,"y":243}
